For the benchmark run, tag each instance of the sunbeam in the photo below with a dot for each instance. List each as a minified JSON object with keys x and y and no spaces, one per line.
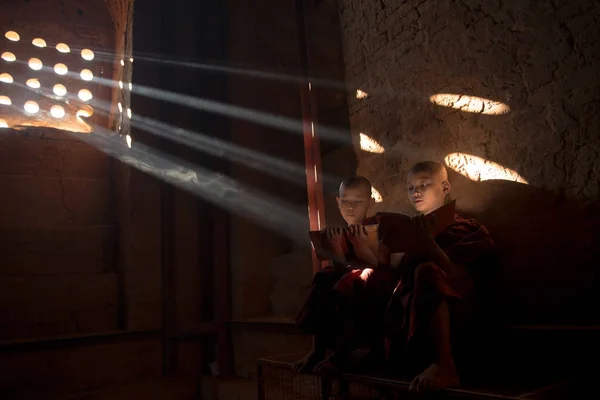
{"x":213,"y":187}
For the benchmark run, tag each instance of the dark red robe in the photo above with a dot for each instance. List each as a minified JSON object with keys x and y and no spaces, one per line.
{"x":423,"y":285}
{"x":333,"y":298}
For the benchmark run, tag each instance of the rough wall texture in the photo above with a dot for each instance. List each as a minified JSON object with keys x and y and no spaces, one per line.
{"x":541,"y":59}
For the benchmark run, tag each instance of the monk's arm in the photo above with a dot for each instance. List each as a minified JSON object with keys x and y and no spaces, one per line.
{"x":436,"y":255}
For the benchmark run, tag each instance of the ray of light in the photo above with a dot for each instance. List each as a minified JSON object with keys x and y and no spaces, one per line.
{"x":479,"y":169}
{"x":213,"y":187}
{"x":216,"y":147}
{"x":232,"y":111}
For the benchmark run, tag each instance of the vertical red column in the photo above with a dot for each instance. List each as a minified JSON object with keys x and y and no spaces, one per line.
{"x":312,"y":152}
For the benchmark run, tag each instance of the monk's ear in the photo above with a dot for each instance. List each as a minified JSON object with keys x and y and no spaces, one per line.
{"x":337,"y":199}
{"x":371,"y":202}
{"x":446,"y":186}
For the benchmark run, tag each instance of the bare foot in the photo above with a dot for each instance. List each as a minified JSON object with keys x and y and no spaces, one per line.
{"x":436,"y":377}
{"x":331,"y":365}
{"x":307,"y":363}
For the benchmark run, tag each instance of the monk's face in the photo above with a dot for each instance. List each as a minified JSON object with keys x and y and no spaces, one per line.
{"x":354,"y":203}
{"x":426,"y":191}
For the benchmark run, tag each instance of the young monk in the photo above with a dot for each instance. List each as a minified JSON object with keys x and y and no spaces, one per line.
{"x":435,"y":292}
{"x":327,"y":311}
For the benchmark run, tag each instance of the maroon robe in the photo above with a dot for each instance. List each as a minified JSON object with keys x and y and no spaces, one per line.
{"x":333,"y":299}
{"x":423,"y":285}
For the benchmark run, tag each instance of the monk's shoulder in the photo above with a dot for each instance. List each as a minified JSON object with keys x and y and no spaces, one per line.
{"x":464,"y":226}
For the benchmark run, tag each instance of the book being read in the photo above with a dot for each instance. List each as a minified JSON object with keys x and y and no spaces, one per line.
{"x":395,"y":231}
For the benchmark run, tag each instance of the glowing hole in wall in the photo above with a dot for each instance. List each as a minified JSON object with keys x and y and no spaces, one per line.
{"x":376,"y":195}
{"x":120,"y":107}
{"x":86,"y":75}
{"x":33,"y":83}
{"x":3,"y":123}
{"x":128,"y":140}
{"x":361,"y":95}
{"x":6,"y":78}
{"x":120,"y":85}
{"x":369,"y":145}
{"x":129,"y":112}
{"x":5,"y":101}
{"x":59,"y":90}
{"x":131,"y":59}
{"x":63,"y":48}
{"x":8,"y":56}
{"x":130,"y":86}
{"x":85,"y":112}
{"x":35,"y":64}
{"x":470,"y":104}
{"x":57,"y":111}
{"x":39,"y":42}
{"x":31,"y":107}
{"x":12,"y":36}
{"x":85,"y":95}
{"x":61,"y":69}
{"x":479,"y":169}
{"x":122,"y":63}
{"x":87,"y":54}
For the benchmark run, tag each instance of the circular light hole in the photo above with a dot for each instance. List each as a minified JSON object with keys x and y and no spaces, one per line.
{"x":6,"y":78}
{"x":33,"y":83}
{"x":63,"y":48}
{"x":128,"y":140}
{"x":31,"y":107}
{"x":12,"y":36}
{"x":85,"y":95}
{"x":120,"y":107}
{"x":35,"y":64}
{"x":57,"y":111}
{"x":120,"y":85}
{"x":8,"y":56}
{"x":87,"y":54}
{"x":122,"y":63}
{"x":85,"y":112}
{"x":61,"y":69}
{"x":131,"y":59}
{"x":129,"y":112}
{"x":130,"y":86}
{"x":86,"y":75}
{"x":39,"y":42}
{"x":3,"y":123}
{"x":5,"y":101}
{"x":59,"y":90}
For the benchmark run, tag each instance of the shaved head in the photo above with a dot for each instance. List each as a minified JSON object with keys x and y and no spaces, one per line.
{"x":355,"y":199}
{"x":430,"y":167}
{"x":428,"y":186}
{"x":356,"y":182}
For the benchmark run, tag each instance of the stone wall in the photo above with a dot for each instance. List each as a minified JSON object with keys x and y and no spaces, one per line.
{"x":539,"y":59}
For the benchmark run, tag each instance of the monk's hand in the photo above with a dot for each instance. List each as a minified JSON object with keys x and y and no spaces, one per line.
{"x":357,"y":234}
{"x":335,"y":236}
{"x":422,"y":232}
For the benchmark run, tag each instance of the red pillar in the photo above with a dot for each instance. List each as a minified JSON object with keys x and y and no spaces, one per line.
{"x":312,"y":152}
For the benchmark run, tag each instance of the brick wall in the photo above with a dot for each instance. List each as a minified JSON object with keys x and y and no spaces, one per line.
{"x":538,"y":57}
{"x":58,"y":246}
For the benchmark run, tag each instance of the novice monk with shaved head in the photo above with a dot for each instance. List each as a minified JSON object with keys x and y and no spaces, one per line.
{"x":328,"y":313}
{"x":435,"y":292}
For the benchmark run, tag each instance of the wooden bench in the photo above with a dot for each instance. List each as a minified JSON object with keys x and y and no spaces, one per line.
{"x":277,"y":380}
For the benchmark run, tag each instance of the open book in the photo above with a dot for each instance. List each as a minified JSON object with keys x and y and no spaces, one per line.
{"x":324,"y":251}
{"x":395,"y":231}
